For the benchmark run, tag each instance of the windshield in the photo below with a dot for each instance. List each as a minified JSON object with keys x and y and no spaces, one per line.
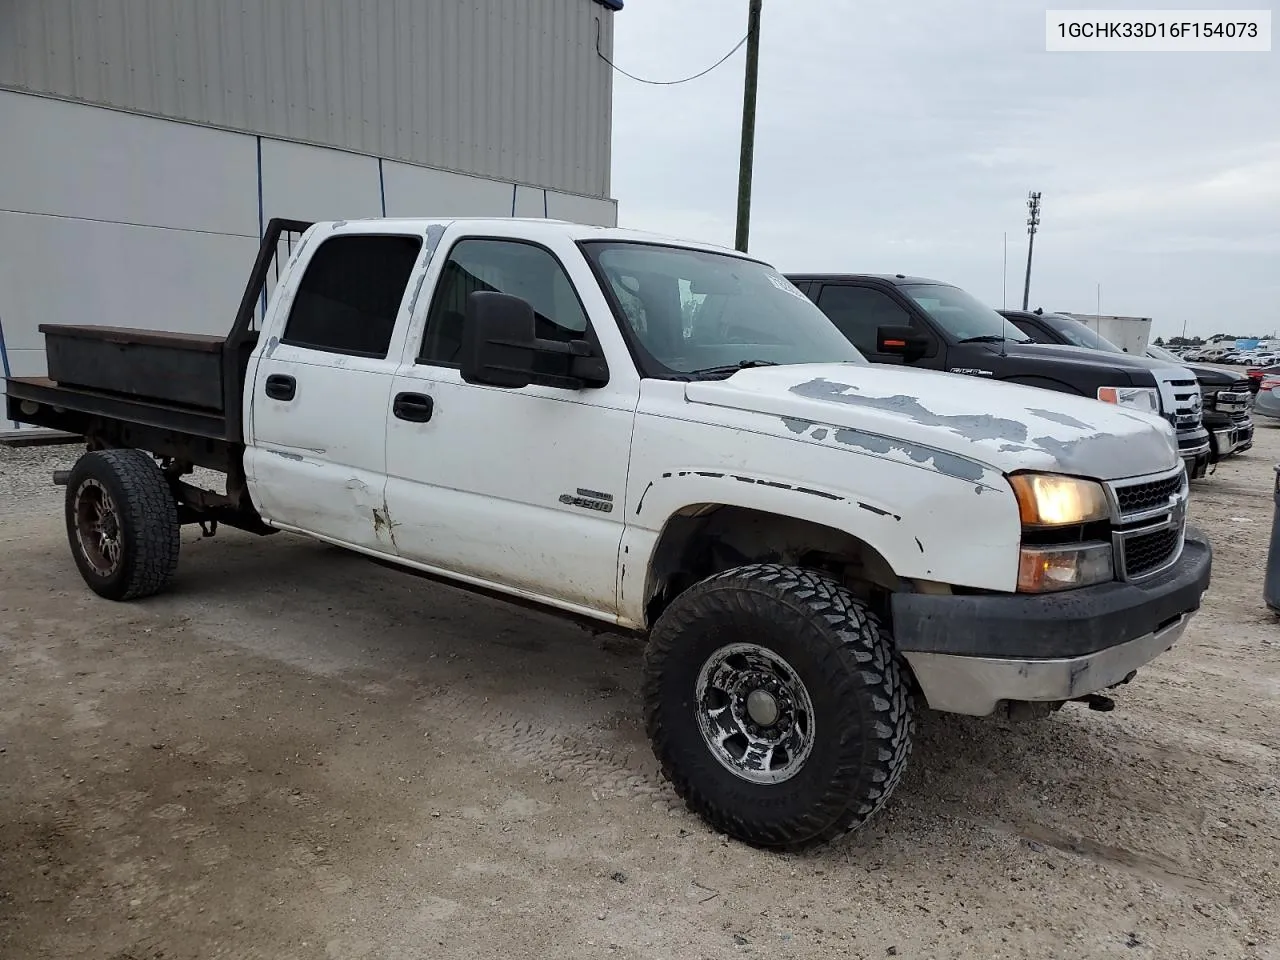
{"x":962,"y":315}
{"x":694,"y":312}
{"x":1080,"y":334}
{"x":1160,"y":353}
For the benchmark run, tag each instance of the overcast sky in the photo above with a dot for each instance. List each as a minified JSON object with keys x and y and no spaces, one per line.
{"x":903,"y":138}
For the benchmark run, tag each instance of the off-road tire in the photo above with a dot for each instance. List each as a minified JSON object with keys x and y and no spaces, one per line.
{"x":149,"y":533}
{"x":864,"y":711}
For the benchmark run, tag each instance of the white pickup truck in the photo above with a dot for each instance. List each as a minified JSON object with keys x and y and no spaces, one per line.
{"x":667,"y":438}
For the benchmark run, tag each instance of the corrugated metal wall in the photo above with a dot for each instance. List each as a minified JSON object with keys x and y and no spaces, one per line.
{"x":161,"y":219}
{"x":509,"y":89}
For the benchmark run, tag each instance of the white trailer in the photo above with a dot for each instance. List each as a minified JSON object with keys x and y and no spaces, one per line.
{"x":1130,"y":333}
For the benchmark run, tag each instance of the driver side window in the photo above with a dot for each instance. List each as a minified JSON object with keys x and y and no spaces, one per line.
{"x":1030,"y":329}
{"x":859,"y":311}
{"x":503,"y":266}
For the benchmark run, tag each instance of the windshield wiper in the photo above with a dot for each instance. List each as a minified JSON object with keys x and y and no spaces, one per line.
{"x":988,"y":338}
{"x":730,"y":369}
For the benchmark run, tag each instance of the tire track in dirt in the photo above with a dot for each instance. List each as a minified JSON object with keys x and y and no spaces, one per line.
{"x":563,"y":751}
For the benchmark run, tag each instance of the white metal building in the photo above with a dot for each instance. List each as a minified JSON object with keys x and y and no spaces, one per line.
{"x":144,"y":144}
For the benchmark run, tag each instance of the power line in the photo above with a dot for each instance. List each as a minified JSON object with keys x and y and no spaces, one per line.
{"x":664,"y":83}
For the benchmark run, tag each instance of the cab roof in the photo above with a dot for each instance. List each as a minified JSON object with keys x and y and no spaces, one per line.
{"x":533,"y":228}
{"x":894,"y":279}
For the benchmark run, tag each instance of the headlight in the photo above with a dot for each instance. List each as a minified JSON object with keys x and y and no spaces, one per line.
{"x":1045,"y":569}
{"x":1049,"y":500}
{"x":1146,"y":399}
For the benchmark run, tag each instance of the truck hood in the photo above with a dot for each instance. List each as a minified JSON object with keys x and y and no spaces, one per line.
{"x":953,"y":424}
{"x":1084,"y":357}
{"x":1213,"y":377}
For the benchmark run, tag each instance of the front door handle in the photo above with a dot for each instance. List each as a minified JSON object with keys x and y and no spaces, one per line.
{"x":281,"y":386}
{"x":414,"y":407}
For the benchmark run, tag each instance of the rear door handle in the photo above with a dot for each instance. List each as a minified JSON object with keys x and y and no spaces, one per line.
{"x":281,"y":386}
{"x":414,"y":407}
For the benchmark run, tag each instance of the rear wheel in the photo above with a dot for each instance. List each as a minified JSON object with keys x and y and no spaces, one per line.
{"x":122,"y":524}
{"x":776,"y":706}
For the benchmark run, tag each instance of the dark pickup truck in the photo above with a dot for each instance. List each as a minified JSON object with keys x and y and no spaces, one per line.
{"x":893,"y":318}
{"x":1228,"y":404}
{"x":1225,"y":395}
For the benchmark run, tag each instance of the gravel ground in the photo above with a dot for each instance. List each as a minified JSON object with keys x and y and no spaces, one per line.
{"x":294,"y":753}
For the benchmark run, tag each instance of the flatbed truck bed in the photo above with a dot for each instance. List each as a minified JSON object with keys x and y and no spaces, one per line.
{"x":177,"y":394}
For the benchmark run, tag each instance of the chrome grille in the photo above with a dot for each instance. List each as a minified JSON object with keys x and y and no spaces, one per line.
{"x":1232,"y":401}
{"x":1187,"y":404}
{"x":1140,"y":497}
{"x":1149,"y":523}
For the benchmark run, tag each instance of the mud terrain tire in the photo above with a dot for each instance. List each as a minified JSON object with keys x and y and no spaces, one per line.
{"x":824,"y":663}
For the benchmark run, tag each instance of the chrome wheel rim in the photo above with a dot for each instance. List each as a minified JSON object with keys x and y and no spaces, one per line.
{"x":754,"y":713}
{"x":97,"y":524}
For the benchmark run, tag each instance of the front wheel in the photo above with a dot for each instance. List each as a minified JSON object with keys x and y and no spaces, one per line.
{"x":122,"y":524}
{"x":776,"y":706}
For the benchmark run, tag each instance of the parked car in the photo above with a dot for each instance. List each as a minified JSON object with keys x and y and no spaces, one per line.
{"x":914,"y":322}
{"x":1215,"y":353}
{"x":1267,"y":402}
{"x":1255,"y":375}
{"x":1225,"y":398}
{"x":661,"y":438}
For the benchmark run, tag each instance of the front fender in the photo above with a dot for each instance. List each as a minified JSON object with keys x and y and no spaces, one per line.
{"x":926,"y":525}
{"x":1044,"y":383}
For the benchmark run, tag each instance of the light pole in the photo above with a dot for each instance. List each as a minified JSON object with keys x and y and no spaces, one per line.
{"x":1033,"y":221}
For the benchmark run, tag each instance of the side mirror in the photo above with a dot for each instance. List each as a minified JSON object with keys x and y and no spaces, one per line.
{"x":500,"y":348}
{"x":907,"y":342}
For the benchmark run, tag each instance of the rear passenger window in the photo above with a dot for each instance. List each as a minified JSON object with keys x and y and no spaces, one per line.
{"x":350,"y":295}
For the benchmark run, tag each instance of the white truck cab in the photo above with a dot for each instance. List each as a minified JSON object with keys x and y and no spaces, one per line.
{"x":669,"y":438}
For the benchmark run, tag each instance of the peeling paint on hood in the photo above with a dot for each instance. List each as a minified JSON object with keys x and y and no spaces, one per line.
{"x":947,"y":422}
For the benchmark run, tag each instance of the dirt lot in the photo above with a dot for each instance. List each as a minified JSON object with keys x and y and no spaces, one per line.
{"x":295,"y":754}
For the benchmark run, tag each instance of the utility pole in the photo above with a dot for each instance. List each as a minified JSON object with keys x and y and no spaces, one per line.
{"x":747,"y":155}
{"x":1004,"y":276}
{"x":1033,"y":221}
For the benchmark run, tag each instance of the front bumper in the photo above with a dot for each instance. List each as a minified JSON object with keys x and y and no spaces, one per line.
{"x":971,"y":652}
{"x":1228,"y":435}
{"x":1195,"y":448}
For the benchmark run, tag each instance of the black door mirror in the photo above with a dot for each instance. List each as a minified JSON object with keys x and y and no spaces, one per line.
{"x":500,"y":348}
{"x":907,"y":342}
